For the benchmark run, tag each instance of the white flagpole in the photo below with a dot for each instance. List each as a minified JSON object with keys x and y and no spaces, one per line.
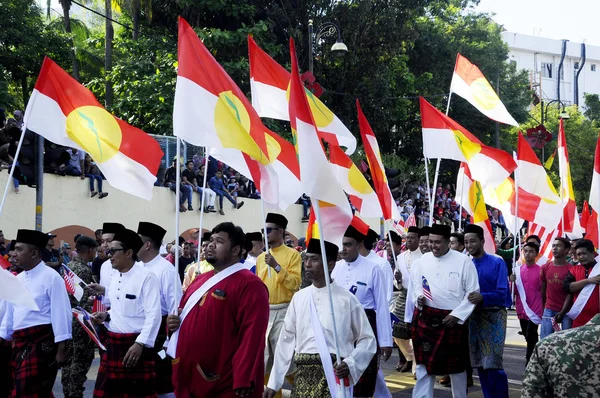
{"x":392,"y":247}
{"x":177,"y":203}
{"x":328,"y":285}
{"x":428,"y":190}
{"x":516,"y":231}
{"x":437,"y":170}
{"x":264,"y":217}
{"x":202,"y":202}
{"x":12,"y":169}
{"x":462,"y":197}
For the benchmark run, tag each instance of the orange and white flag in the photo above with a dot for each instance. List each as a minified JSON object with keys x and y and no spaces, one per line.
{"x":471,"y":84}
{"x":67,"y":113}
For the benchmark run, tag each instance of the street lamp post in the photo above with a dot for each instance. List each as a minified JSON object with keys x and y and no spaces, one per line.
{"x":327,"y":29}
{"x":544,"y":114}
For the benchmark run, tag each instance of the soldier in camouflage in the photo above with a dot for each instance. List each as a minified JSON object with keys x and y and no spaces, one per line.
{"x":81,"y":348}
{"x":565,"y":364}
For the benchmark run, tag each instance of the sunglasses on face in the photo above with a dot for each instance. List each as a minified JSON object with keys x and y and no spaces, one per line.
{"x":269,"y":230}
{"x":111,"y":252}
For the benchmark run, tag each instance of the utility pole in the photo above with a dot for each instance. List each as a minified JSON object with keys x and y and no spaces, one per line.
{"x":498,"y":124}
{"x":39,"y":185}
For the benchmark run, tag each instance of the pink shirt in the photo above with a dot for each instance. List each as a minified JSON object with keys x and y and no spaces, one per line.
{"x":532,"y":284}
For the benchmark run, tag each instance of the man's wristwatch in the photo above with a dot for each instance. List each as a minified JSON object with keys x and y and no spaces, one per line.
{"x":277,"y":268}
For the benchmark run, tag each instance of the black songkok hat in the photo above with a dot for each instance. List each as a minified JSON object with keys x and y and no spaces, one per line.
{"x":331,"y":250}
{"x":112,"y":227}
{"x":86,"y":241}
{"x":254,"y":237}
{"x":424,"y":231}
{"x":442,"y":230}
{"x":206,"y":237}
{"x":372,"y":236}
{"x":31,"y":237}
{"x":277,"y":219}
{"x":152,"y":231}
{"x":416,"y":230}
{"x":130,"y":239}
{"x":353,"y":233}
{"x":397,"y":239}
{"x":474,"y":229}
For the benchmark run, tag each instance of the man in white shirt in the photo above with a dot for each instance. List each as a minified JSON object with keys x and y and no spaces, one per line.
{"x":365,"y":280}
{"x":405,"y":261}
{"x":442,"y":281}
{"x":308,"y":318}
{"x":109,"y":229}
{"x":127,"y":367}
{"x":170,"y":296}
{"x":38,"y":337}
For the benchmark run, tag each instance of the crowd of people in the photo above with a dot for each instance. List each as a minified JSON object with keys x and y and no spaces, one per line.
{"x":265,"y":316}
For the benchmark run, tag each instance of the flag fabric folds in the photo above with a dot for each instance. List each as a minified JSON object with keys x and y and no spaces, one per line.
{"x":73,"y":283}
{"x":471,"y":84}
{"x":534,"y":180}
{"x":362,"y":196}
{"x":12,"y":290}
{"x":317,"y":179}
{"x":547,"y":236}
{"x":567,"y":194}
{"x":595,"y":189}
{"x":472,"y":200}
{"x":84,"y":319}
{"x":380,"y":182}
{"x":270,"y":83}
{"x":66,"y":113}
{"x":549,"y":162}
{"x":443,"y":138}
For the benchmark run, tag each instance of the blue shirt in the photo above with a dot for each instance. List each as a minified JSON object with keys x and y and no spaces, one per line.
{"x":216,"y":183}
{"x":493,"y":281}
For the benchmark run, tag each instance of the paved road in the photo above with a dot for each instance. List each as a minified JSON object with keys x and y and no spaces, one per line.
{"x":401,"y":384}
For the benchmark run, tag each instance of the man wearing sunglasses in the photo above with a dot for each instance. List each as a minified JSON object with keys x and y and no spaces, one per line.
{"x":127,"y":367}
{"x":280,"y":269}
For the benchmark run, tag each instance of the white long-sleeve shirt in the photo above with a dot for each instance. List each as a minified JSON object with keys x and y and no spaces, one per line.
{"x":106,"y":273}
{"x":366,"y":278}
{"x":386,"y":272}
{"x":170,"y":284}
{"x":356,"y":339}
{"x":451,"y":278}
{"x":406,"y":258}
{"x":48,"y":290}
{"x":135,"y":304}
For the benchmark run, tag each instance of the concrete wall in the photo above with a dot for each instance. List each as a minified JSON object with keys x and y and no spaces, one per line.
{"x":68,"y":206}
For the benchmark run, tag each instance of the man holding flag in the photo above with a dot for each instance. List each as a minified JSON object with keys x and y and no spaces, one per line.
{"x":81,"y":348}
{"x":442,"y":281}
{"x":308,"y":319}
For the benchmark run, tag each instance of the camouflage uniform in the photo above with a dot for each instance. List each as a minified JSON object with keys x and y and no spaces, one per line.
{"x":565,"y":364}
{"x":81,"y":348}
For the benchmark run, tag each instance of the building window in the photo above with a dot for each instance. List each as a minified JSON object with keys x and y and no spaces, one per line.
{"x":547,"y":69}
{"x":593,"y":67}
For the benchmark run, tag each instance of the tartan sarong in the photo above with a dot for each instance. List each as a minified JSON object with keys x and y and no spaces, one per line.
{"x":162,"y":367}
{"x":487,"y":332}
{"x":33,"y":362}
{"x":309,"y":379}
{"x":117,"y":381}
{"x":365,"y":387}
{"x":6,"y":382}
{"x":439,"y":348}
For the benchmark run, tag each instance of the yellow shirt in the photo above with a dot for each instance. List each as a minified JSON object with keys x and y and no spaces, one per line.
{"x":192,"y":271}
{"x":284,"y":284}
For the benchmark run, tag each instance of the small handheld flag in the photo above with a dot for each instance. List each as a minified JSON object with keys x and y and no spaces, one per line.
{"x":427,"y":289}
{"x":73,"y":283}
{"x":85,"y":320}
{"x":98,"y":305}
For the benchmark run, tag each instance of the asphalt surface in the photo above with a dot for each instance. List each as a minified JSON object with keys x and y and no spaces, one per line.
{"x":401,"y":384}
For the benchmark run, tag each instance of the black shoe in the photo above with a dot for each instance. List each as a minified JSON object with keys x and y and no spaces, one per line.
{"x":94,"y":193}
{"x":190,"y":208}
{"x":407,"y":367}
{"x":205,"y":210}
{"x":239,"y":205}
{"x":102,"y":195}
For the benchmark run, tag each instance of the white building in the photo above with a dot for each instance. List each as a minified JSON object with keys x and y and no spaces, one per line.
{"x":541,"y":57}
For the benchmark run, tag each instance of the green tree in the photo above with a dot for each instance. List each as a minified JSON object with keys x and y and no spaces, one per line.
{"x":592,"y":105}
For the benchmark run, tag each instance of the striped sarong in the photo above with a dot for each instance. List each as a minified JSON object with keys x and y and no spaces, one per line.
{"x":401,"y":329}
{"x":309,"y":379}
{"x":487,"y":332}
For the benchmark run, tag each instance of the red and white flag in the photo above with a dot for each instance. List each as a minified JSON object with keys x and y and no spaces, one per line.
{"x":471,"y":84}
{"x":547,"y":236}
{"x":98,"y":305}
{"x":74,"y":284}
{"x":593,"y":226}
{"x":570,"y":217}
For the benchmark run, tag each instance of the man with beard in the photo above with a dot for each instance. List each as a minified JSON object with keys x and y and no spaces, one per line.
{"x":170,"y":296}
{"x":487,"y":325}
{"x":229,"y":308}
{"x":38,"y":336}
{"x":441,"y":281}
{"x":309,"y":317}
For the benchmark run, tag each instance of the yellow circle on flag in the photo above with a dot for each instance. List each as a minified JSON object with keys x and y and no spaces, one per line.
{"x":96,"y":131}
{"x":320,"y":113}
{"x":358,"y":181}
{"x":483,"y":94}
{"x":233,"y":124}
